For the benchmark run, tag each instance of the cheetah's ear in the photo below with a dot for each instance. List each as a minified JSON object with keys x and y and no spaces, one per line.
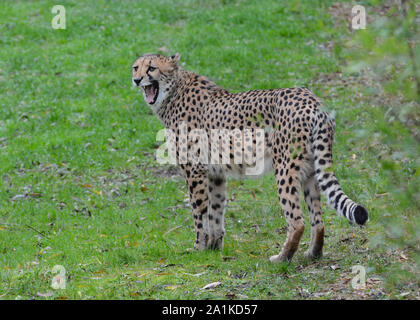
{"x":175,"y":58}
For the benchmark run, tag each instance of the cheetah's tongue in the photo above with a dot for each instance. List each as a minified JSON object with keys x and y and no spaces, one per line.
{"x":150,"y":93}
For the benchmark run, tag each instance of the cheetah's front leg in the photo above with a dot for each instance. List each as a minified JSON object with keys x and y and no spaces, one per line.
{"x":197,"y":187}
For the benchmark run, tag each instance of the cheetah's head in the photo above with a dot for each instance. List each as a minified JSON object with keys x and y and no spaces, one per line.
{"x":154,"y":74}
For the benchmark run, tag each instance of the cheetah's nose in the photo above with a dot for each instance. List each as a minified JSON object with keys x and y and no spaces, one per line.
{"x":137,"y":81}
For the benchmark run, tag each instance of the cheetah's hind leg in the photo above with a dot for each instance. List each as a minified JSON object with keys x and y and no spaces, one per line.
{"x":217,"y":203}
{"x":288,"y":191}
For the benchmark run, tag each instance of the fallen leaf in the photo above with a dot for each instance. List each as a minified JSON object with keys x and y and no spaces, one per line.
{"x":163,"y":49}
{"x":404,"y":294}
{"x":228,"y":258}
{"x":36,"y":195}
{"x":381,"y":194}
{"x":99,"y":193}
{"x":142,"y":275}
{"x":195,"y":275}
{"x":162,"y":260}
{"x":253,"y":195}
{"x":172,"y":229}
{"x":18,"y":197}
{"x":212,"y":285}
{"x":172,"y":287}
{"x":47,"y":294}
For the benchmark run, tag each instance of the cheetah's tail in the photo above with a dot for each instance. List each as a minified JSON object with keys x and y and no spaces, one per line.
{"x":322,"y":137}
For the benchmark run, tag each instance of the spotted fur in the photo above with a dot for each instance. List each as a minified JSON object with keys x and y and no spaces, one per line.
{"x":297,"y":144}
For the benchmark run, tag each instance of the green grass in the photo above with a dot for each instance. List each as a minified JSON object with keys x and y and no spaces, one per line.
{"x":80,"y":186}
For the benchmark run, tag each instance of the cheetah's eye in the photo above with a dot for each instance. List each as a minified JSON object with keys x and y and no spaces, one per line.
{"x":151,"y":69}
{"x":135,"y":68}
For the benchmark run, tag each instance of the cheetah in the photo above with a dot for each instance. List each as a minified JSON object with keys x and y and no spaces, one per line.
{"x":287,"y":124}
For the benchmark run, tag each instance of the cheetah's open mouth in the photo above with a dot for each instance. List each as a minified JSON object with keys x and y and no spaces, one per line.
{"x":152,"y":92}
